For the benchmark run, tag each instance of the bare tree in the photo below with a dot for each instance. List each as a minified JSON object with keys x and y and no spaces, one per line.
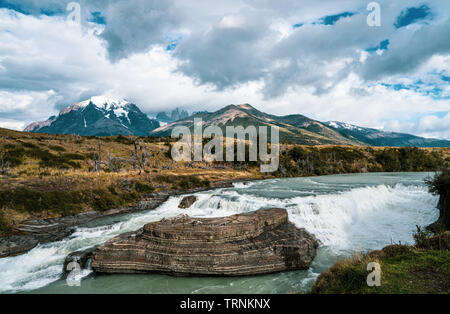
{"x":4,"y":164}
{"x":140,"y":156}
{"x":97,"y":157}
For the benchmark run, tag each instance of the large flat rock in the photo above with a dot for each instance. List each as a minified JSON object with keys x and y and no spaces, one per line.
{"x":247,"y":244}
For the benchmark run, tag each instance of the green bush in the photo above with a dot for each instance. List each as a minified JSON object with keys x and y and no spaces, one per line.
{"x":57,"y":148}
{"x":440,"y":184}
{"x":65,"y":202}
{"x":192,"y":182}
{"x":5,"y":229}
{"x":143,"y":188}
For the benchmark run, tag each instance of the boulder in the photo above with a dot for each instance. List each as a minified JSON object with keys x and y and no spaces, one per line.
{"x":187,"y":201}
{"x":16,"y":245}
{"x":83,"y":258}
{"x":246,"y":244}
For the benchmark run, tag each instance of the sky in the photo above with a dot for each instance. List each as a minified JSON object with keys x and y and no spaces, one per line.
{"x":321,"y":59}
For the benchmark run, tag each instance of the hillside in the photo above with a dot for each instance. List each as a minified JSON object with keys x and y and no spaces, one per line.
{"x":296,"y":129}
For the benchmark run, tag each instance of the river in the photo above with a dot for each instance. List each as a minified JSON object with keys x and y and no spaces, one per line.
{"x":347,"y":213}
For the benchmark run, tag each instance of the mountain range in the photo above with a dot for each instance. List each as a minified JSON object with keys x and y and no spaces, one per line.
{"x":106,"y":116}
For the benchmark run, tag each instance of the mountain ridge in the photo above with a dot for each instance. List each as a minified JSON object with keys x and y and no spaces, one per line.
{"x":105,"y":116}
{"x":377,"y":137}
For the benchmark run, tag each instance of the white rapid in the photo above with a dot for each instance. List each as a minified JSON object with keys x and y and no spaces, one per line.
{"x":345,"y":216}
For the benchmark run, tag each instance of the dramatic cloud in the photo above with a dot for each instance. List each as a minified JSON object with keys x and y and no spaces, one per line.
{"x":318,"y":58}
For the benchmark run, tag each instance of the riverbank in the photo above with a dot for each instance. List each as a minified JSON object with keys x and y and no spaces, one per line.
{"x":39,"y":231}
{"x":422,"y":268}
{"x":404,"y":269}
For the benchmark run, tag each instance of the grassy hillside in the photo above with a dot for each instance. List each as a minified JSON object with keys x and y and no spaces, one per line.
{"x":43,"y":176}
{"x":404,"y":269}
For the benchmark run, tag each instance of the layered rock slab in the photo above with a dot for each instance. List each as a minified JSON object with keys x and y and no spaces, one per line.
{"x":246,"y":244}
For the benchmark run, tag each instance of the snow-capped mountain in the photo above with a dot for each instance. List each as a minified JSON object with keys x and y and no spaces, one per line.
{"x":98,"y":116}
{"x":382,"y":138}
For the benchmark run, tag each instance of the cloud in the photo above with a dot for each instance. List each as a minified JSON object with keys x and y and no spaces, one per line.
{"x":431,"y":126}
{"x":200,"y":54}
{"x":408,"y":50}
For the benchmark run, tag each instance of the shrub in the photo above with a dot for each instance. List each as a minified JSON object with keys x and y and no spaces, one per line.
{"x":192,"y":182}
{"x":57,"y":148}
{"x":143,"y":188}
{"x":422,"y":238}
{"x":440,"y":184}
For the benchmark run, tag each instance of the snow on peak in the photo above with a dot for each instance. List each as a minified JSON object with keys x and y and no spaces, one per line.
{"x":102,"y":102}
{"x":105,"y":102}
{"x":343,"y":125}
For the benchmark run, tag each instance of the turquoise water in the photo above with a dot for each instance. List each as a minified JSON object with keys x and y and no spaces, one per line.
{"x":347,"y":213}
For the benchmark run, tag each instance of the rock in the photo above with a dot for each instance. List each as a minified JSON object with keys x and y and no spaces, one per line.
{"x":187,"y":201}
{"x":15,"y":245}
{"x":443,"y":223}
{"x":83,"y":258}
{"x":247,"y":244}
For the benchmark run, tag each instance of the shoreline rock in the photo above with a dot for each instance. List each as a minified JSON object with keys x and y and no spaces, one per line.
{"x":83,"y":258}
{"x":253,"y":243}
{"x":187,"y":201}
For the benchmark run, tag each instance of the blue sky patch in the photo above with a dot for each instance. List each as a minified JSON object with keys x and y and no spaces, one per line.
{"x":382,"y":46}
{"x":98,"y":18}
{"x":173,"y":43}
{"x":413,"y":15}
{"x":332,"y":19}
{"x":298,"y":25}
{"x":6,"y":5}
{"x":432,"y":90}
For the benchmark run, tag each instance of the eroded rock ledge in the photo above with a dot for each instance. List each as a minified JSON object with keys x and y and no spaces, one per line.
{"x":247,"y":244}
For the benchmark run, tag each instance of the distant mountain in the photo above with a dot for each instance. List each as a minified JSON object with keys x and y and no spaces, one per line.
{"x":293,"y":128}
{"x":98,"y":116}
{"x":381,"y":138}
{"x":173,"y":116}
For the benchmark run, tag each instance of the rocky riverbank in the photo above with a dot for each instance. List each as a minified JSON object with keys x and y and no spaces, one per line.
{"x":39,"y":231}
{"x":247,"y":244}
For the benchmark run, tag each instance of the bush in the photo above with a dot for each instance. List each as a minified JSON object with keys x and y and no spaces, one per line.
{"x":57,"y":148}
{"x":143,"y":188}
{"x":65,"y":202}
{"x":123,"y":140}
{"x":5,"y":228}
{"x":440,"y":184}
{"x":192,"y":182}
{"x":422,"y":238}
